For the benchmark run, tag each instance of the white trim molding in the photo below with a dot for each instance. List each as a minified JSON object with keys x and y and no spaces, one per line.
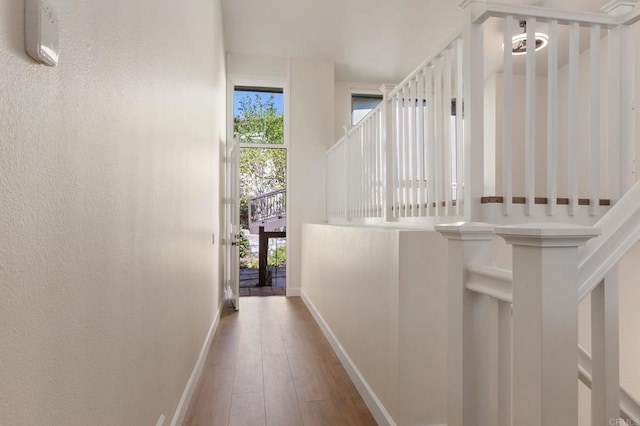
{"x":378,"y":410}
{"x":293,"y":291}
{"x":192,"y":383}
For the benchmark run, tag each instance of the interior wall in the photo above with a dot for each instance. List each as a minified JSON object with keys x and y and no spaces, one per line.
{"x":342,"y":108}
{"x":262,"y":66}
{"x":382,"y":293}
{"x":110,"y":195}
{"x":312,"y":90}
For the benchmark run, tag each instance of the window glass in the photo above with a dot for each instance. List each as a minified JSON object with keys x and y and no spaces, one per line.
{"x":361,"y":105}
{"x":258,"y":115}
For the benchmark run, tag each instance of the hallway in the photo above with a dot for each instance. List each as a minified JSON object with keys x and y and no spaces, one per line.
{"x":270,"y":364}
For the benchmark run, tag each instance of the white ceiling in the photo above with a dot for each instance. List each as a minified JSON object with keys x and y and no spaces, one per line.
{"x":368,"y":40}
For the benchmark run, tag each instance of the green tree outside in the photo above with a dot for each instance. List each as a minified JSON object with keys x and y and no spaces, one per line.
{"x":262,"y":170}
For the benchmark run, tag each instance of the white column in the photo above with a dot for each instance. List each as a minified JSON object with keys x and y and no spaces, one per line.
{"x":545,"y":321}
{"x":620,"y":70}
{"x":471,"y":343}
{"x":387,"y":147}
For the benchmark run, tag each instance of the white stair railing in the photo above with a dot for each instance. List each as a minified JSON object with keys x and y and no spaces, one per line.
{"x":620,"y":231}
{"x":404,"y":161}
{"x":418,"y":156}
{"x":405,"y":158}
{"x":503,"y":370}
{"x":519,"y":369}
{"x":266,"y":208}
{"x":629,"y":407}
{"x":574,"y":172}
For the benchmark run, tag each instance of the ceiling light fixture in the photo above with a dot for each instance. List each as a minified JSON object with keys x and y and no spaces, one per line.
{"x":519,"y":42}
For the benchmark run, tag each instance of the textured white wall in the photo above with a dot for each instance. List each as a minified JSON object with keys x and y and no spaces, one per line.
{"x":109,"y":189}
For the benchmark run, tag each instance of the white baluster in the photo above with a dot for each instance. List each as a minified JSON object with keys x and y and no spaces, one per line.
{"x":400,"y":156}
{"x":406,"y":153}
{"x":374,"y":163}
{"x":552,"y":120}
{"x":507,"y":121}
{"x":530,"y":120}
{"x":460,"y":179}
{"x":446,"y":126}
{"x":421,"y":143}
{"x":375,"y":159}
{"x":367,"y":170}
{"x":413,"y":142}
{"x":431,"y":144}
{"x":594,"y":150}
{"x":504,"y":364}
{"x":573,"y":115}
{"x":439,"y":136}
{"x":605,"y":370}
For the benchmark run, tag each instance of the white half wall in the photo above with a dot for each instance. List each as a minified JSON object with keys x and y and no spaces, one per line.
{"x":109,"y":195}
{"x":382,"y":294}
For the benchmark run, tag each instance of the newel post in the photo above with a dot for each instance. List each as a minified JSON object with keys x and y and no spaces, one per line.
{"x":387,"y":142}
{"x":620,"y":102}
{"x":545,"y":321}
{"x":468,"y":313}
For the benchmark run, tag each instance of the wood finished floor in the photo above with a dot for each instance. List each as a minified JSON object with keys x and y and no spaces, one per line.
{"x":270,"y":364}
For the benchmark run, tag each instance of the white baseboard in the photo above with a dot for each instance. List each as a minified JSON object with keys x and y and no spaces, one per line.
{"x":378,"y":411}
{"x":293,"y":292}
{"x":183,"y":405}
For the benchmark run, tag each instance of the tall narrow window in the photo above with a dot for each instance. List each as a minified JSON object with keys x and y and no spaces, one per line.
{"x":361,"y":104}
{"x":258,"y":122}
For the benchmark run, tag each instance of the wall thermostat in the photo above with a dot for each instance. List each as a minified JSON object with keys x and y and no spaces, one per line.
{"x":41,"y":32}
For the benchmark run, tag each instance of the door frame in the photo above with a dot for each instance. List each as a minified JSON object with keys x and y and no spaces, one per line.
{"x":234,"y":80}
